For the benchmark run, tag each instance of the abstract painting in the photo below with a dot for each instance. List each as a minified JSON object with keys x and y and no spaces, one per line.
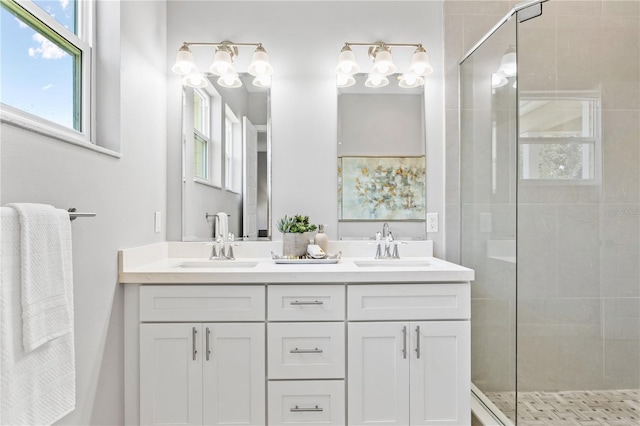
{"x":381,"y":188}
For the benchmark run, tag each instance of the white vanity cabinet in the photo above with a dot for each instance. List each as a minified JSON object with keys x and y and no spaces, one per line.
{"x":288,"y":344}
{"x":306,"y":354}
{"x":202,"y":373}
{"x":404,"y":371}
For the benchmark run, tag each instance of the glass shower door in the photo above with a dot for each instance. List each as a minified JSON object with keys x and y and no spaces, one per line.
{"x":488,"y":119}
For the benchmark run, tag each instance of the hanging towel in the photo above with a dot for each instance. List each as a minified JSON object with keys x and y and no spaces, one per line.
{"x":36,"y":387}
{"x":224,"y":225}
{"x":45,"y":266}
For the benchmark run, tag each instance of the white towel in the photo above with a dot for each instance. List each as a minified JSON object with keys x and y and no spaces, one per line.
{"x":224,"y":225}
{"x":38,"y":387}
{"x":47,"y":281}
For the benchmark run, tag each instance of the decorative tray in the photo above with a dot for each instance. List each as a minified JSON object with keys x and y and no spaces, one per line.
{"x":332,"y":258}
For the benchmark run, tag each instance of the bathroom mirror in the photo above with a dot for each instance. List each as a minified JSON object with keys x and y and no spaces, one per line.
{"x":226,"y":164}
{"x":381,"y":160}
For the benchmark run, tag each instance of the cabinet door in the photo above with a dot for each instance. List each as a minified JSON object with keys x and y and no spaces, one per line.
{"x":378,"y":388}
{"x":170,"y":374}
{"x":440,"y":373}
{"x":234,"y":374}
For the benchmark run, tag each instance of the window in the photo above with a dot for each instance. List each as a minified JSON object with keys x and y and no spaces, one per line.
{"x":233,"y":152}
{"x":559,"y":138}
{"x":46,"y":56}
{"x":201,"y":135}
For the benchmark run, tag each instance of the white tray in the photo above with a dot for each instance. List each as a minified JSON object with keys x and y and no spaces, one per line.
{"x":293,"y":261}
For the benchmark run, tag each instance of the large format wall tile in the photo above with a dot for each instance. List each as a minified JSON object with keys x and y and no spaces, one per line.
{"x":620,"y":250}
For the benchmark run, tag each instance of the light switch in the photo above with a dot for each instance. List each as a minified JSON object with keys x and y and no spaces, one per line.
{"x":157,"y":221}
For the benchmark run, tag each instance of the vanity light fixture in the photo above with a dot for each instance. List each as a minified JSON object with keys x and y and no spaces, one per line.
{"x":222,"y":65}
{"x":383,"y":66}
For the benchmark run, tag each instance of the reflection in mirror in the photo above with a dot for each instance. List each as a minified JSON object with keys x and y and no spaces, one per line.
{"x":381,"y":160}
{"x":226,"y":160}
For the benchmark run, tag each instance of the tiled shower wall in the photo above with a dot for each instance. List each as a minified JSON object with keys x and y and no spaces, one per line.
{"x":578,"y":246}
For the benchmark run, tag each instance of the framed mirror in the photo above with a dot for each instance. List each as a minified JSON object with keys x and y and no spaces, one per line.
{"x":381,"y":160}
{"x":226,"y":160}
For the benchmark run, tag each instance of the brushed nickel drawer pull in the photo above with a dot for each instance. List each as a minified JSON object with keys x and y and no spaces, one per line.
{"x":208,"y":343}
{"x":404,"y":342}
{"x":418,"y":342}
{"x":306,"y":351}
{"x":298,"y":409}
{"x":309,"y":302}
{"x":194,"y":349}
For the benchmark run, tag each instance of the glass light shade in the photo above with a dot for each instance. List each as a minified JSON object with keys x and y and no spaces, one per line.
{"x":508,"y":65}
{"x":195,"y":79}
{"x":498,"y":79}
{"x":260,"y":63}
{"x":345,"y":80}
{"x":262,"y":81}
{"x":184,"y":62}
{"x":347,"y":62}
{"x":230,"y":80}
{"x":410,"y":79}
{"x":420,"y":63}
{"x":221,"y":63}
{"x":376,"y":80}
{"x":383,"y":63}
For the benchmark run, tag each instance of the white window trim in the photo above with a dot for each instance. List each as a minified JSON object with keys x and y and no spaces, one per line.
{"x":205,"y":134}
{"x":87,"y":136}
{"x":595,"y":140}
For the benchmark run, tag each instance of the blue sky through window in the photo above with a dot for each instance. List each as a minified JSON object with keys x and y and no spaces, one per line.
{"x":37,"y":76}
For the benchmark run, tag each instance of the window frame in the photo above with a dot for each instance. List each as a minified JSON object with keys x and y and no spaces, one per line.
{"x":594,"y":141}
{"x":49,"y":27}
{"x":204,"y":135}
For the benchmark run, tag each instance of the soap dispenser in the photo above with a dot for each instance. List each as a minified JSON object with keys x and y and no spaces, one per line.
{"x":321,"y":238}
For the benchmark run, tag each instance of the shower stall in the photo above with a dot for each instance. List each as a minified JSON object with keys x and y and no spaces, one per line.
{"x":550,"y":214}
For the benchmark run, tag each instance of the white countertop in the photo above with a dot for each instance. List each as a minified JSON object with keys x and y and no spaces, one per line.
{"x":164,"y":263}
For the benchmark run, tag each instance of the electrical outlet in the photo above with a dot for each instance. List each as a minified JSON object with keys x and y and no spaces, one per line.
{"x":432,"y":222}
{"x":157,"y":222}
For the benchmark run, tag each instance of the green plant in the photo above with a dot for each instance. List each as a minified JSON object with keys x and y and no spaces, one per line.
{"x":295,"y":224}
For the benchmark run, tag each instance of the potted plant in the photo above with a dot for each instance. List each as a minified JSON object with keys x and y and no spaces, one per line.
{"x":294,"y":240}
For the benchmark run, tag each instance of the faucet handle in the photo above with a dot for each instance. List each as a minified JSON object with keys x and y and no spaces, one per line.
{"x":378,"y":251}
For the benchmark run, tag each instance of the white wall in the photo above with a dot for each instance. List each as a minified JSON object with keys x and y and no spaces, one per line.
{"x":303,"y":39}
{"x":123,"y":192}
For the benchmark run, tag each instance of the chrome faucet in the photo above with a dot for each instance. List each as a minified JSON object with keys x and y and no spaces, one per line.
{"x":387,"y":237}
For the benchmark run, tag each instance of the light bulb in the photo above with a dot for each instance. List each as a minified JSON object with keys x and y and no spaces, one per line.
{"x":184,"y":61}
{"x":420,"y":62}
{"x":260,"y":63}
{"x":195,"y":79}
{"x":376,"y":80}
{"x":345,"y":80}
{"x":347,"y":61}
{"x":221,"y":62}
{"x":383,"y":63}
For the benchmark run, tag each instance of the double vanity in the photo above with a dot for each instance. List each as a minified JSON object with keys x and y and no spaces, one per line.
{"x":250,"y":341}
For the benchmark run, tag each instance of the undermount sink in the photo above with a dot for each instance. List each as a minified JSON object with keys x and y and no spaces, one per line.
{"x":216,"y":264}
{"x":392,"y":263}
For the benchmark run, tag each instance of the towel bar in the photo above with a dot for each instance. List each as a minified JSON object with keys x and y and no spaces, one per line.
{"x":73,"y":214}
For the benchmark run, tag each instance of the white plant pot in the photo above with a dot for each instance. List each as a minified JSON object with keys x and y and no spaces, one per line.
{"x":294,"y":244}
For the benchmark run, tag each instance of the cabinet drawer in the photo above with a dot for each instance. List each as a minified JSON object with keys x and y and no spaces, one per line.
{"x":306,"y":350}
{"x":307,"y":402}
{"x":305,"y":303}
{"x":409,"y":302}
{"x":202,"y":303}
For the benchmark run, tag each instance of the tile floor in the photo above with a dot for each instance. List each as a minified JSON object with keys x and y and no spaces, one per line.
{"x":583,"y":408}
